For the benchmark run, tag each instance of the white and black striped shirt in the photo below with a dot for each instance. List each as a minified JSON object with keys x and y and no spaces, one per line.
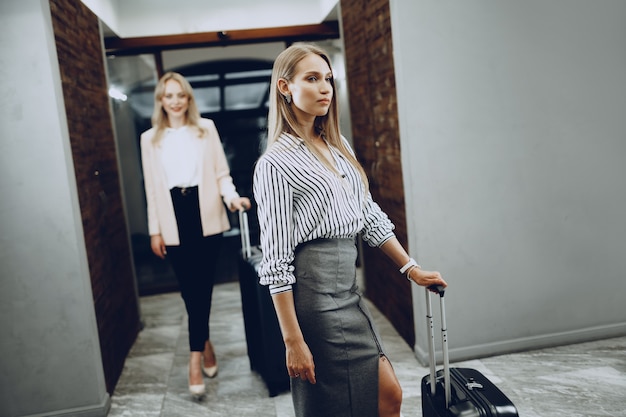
{"x":299,"y":199}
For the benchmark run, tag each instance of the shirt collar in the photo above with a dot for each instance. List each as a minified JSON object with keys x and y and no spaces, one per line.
{"x":288,"y":138}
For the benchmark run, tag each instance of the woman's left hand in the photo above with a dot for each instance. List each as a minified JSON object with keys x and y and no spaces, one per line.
{"x":426,"y":278}
{"x":240,"y":203}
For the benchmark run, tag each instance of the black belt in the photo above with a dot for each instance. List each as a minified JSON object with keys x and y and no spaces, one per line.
{"x":185,"y":191}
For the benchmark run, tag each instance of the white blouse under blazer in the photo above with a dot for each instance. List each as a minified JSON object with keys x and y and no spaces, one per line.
{"x":215,"y":186}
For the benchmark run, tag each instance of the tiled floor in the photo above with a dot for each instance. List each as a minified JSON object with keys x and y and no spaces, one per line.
{"x":587,"y":379}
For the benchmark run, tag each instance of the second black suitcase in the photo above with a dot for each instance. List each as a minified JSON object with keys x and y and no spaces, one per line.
{"x":266,"y":349}
{"x":458,"y":392}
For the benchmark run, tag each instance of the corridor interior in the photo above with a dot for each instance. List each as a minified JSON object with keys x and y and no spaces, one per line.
{"x":582,"y":380}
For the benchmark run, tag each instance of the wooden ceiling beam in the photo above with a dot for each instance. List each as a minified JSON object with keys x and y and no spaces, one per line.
{"x":153,"y":44}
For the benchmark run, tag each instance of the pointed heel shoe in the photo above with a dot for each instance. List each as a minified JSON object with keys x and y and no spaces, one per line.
{"x":195,"y":363}
{"x":197,"y":391}
{"x":210,"y":371}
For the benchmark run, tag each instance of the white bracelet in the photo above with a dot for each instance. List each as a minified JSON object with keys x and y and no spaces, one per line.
{"x":407,"y":265}
{"x":408,"y":272}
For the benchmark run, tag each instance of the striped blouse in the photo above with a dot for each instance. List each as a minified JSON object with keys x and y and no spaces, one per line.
{"x":299,"y":199}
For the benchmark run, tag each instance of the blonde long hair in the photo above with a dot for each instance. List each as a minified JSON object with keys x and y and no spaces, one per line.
{"x":282,"y":119}
{"x":159,"y":116}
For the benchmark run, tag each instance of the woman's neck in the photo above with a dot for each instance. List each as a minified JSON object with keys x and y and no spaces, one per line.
{"x":307,"y":126}
{"x":176,"y":122}
{"x":309,"y":131}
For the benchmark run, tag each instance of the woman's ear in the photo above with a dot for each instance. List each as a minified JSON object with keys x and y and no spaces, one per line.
{"x":283,"y":87}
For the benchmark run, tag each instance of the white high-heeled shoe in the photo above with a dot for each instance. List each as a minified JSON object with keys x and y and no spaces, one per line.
{"x":210,"y":371}
{"x":197,"y":390}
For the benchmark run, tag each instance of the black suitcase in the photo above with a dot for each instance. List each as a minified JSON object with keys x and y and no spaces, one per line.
{"x":458,"y":392}
{"x":264,"y":341}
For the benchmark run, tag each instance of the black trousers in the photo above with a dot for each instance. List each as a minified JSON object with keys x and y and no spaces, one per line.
{"x":194,"y":263}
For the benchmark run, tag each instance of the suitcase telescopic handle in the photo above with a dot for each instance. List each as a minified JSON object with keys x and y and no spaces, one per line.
{"x":444,"y":338}
{"x":245,"y":234}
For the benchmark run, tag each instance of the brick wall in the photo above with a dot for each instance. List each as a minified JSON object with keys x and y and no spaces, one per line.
{"x":86,"y":99}
{"x":375,"y":132}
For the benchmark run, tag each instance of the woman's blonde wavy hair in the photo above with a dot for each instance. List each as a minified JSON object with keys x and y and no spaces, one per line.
{"x":282,"y":119}
{"x":159,"y":116}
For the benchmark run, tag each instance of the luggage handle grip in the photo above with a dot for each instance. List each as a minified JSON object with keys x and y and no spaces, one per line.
{"x":439,"y":289}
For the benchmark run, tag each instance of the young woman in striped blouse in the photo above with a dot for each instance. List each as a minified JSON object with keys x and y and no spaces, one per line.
{"x":313,"y":201}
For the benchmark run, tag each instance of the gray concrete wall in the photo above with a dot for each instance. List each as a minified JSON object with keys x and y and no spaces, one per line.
{"x":49,"y":351}
{"x":513,"y":126}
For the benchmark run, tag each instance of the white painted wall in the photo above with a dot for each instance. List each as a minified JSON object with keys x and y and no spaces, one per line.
{"x":513,"y":136}
{"x":49,"y":350}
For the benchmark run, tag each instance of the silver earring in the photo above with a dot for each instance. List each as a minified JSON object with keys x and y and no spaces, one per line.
{"x":288,"y":98}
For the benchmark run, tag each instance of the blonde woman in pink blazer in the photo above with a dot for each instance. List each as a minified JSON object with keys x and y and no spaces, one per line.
{"x":188,"y":184}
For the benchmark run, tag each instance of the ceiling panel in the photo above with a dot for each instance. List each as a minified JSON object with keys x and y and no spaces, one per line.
{"x":139,"y":18}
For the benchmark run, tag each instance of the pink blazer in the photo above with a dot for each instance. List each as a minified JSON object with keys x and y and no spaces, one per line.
{"x":215,"y":189}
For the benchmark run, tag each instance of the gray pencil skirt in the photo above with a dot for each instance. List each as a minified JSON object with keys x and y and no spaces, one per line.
{"x":338,"y":329}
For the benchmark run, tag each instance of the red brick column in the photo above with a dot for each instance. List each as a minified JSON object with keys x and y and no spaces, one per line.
{"x":81,"y":63}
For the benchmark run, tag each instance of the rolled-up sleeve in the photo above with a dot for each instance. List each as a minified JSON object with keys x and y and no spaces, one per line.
{"x":274,"y":198}
{"x":378,"y":228}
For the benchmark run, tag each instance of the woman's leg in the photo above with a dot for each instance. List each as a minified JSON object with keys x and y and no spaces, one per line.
{"x":181,"y":259}
{"x":195,"y":368}
{"x":389,"y":390}
{"x":194,"y":265}
{"x":186,"y":261}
